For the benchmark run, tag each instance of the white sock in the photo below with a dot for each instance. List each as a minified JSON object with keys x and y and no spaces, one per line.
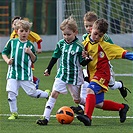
{"x":12,"y":102}
{"x":82,"y":101}
{"x":82,"y":106}
{"x":49,"y":107}
{"x":117,"y":85}
{"x":40,"y":94}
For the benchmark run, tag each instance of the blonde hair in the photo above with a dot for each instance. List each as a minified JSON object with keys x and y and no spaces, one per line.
{"x":24,"y":24}
{"x":90,"y":16}
{"x":69,"y":23}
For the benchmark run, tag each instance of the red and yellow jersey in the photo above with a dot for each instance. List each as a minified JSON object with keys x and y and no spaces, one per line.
{"x":101,"y":52}
{"x":33,"y":37}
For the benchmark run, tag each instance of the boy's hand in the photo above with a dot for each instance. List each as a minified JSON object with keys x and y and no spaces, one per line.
{"x":39,"y":51}
{"x":9,"y":61}
{"x":85,"y":54}
{"x":46,"y":72}
{"x":28,"y":50}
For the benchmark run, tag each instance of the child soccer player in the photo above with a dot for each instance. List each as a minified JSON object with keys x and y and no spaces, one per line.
{"x":33,"y":37}
{"x":69,"y":74}
{"x":22,"y":55}
{"x":99,"y":71}
{"x":89,"y":18}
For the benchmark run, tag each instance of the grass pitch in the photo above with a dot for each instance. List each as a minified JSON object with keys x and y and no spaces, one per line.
{"x":30,"y":109}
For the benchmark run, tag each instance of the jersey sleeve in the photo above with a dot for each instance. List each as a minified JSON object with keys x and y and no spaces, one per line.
{"x":106,"y":38}
{"x":113,"y":51}
{"x":13,"y":35}
{"x":34,"y":37}
{"x":57,"y":51}
{"x":84,"y":36}
{"x":7,"y":48}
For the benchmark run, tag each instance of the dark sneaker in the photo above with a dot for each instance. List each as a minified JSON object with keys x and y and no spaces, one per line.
{"x":77,"y":110}
{"x":42,"y":122}
{"x":123,"y":112}
{"x":123,"y":90}
{"x":85,"y":119}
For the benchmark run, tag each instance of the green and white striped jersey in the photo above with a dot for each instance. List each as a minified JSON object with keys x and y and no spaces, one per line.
{"x":21,"y":66}
{"x":70,"y":70}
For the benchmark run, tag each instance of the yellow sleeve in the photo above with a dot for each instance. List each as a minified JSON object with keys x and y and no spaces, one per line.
{"x":34,"y":37}
{"x":13,"y":35}
{"x":112,"y":51}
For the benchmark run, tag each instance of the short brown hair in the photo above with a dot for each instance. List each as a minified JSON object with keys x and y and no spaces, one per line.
{"x":70,"y":23}
{"x":101,"y":25}
{"x":90,"y":16}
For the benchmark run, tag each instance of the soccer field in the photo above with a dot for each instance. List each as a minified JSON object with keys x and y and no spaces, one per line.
{"x":30,"y":109}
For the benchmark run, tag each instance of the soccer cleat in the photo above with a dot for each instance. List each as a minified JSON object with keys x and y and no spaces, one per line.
{"x":42,"y":122}
{"x":37,"y":83}
{"x":85,"y":119}
{"x":13,"y":116}
{"x":77,"y":110}
{"x":48,"y":91}
{"x":123,"y":90}
{"x":123,"y":112}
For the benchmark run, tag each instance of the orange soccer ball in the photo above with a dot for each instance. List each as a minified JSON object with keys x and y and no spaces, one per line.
{"x":65,"y":115}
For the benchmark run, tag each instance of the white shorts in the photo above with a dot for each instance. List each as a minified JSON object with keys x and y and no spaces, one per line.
{"x":61,"y":87}
{"x":13,"y":85}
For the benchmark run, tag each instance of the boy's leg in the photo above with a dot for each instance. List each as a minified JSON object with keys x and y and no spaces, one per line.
{"x":29,"y":88}
{"x":35,"y":79}
{"x":12,"y":89}
{"x":113,"y":85}
{"x":89,"y":107}
{"x":114,"y":106}
{"x":80,"y":108}
{"x":59,"y":87}
{"x":91,"y":101}
{"x":47,"y":112}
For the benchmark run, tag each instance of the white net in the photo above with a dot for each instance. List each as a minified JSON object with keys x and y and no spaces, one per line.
{"x":119,"y":14}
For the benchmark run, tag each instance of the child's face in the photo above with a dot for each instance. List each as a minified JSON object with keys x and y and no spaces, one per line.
{"x":69,"y":35}
{"x":23,"y":34}
{"x":96,"y":35}
{"x":88,"y":25}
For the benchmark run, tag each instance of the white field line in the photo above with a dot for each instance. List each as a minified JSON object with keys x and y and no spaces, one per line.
{"x":130,"y":117}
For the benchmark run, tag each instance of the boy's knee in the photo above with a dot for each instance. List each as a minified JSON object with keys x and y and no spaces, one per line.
{"x":11,"y":96}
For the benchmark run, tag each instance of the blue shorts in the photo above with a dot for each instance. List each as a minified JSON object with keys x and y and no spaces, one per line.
{"x":96,"y":88}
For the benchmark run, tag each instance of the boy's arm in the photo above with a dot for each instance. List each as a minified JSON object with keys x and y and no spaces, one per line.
{"x":7,"y":60}
{"x":34,"y":37}
{"x":39,"y":50}
{"x":50,"y":66}
{"x":86,"y":61}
